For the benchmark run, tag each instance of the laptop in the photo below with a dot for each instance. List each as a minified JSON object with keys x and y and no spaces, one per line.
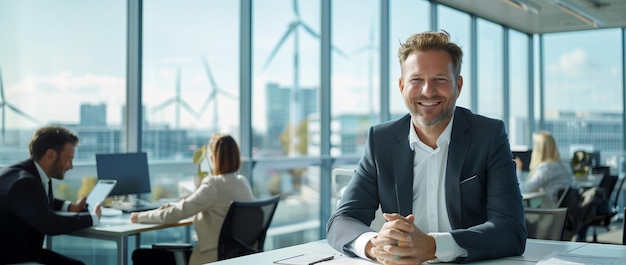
{"x":100,"y":192}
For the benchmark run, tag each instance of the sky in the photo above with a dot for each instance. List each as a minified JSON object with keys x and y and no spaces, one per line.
{"x":60,"y":54}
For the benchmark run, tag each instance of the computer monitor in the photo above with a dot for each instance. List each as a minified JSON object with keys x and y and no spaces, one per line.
{"x":129,"y":169}
{"x":525,"y":157}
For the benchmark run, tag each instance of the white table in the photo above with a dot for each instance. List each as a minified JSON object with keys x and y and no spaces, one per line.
{"x":119,"y":228}
{"x":535,"y":250}
{"x":531,"y":195}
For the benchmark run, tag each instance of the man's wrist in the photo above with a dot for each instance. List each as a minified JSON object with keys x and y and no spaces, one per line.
{"x":369,"y":250}
{"x":433,"y":243}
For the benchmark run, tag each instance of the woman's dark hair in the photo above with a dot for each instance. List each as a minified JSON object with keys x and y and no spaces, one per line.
{"x":226,"y":156}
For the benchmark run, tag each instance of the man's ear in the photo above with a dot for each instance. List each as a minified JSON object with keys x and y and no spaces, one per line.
{"x":50,"y":154}
{"x":459,"y":86}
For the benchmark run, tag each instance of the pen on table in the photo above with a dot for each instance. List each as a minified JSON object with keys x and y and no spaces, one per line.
{"x":322,"y":260}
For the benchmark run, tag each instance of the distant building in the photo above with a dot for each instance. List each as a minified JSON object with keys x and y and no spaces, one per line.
{"x":600,"y":131}
{"x":278,"y":104}
{"x":93,"y":115}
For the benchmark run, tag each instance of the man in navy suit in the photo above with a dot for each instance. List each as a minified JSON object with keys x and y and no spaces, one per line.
{"x":28,"y":207}
{"x":443,"y":176}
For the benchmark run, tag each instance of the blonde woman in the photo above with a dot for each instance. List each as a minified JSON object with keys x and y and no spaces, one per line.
{"x":210,"y":201}
{"x":547,"y":172}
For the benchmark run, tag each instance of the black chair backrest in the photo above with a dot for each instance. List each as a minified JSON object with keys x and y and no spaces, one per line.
{"x":607,"y":184}
{"x":545,"y":223}
{"x":245,"y":227}
{"x":578,"y":211}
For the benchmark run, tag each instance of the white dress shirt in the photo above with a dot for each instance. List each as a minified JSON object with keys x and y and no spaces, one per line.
{"x":429,"y":197}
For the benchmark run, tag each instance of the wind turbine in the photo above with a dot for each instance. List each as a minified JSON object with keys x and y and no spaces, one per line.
{"x":213,"y":95}
{"x":295,"y":113}
{"x":4,"y":104}
{"x":177,"y":99}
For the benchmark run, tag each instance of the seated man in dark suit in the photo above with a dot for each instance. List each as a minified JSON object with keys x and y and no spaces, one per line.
{"x":28,"y":207}
{"x":443,"y":176}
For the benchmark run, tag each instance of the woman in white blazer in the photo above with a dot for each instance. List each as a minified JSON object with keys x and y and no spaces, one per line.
{"x":210,"y":201}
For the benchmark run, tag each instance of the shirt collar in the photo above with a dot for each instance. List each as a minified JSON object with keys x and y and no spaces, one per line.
{"x":42,"y":175}
{"x":444,"y":138}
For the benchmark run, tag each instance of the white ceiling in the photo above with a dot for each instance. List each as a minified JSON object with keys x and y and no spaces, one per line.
{"x":550,"y":17}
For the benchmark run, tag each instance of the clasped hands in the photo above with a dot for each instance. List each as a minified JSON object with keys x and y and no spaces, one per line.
{"x":399,"y":241}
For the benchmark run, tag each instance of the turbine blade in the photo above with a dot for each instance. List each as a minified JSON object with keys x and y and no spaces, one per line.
{"x":178,"y":82}
{"x":207,"y":101}
{"x":296,"y":10}
{"x":338,"y":51}
{"x":209,"y":74}
{"x":226,"y":93}
{"x":189,"y":109}
{"x":314,"y":34}
{"x":21,"y":113}
{"x":277,"y":47}
{"x":163,"y":105}
{"x":310,"y":30}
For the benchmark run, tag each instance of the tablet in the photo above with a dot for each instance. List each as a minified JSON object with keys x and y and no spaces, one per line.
{"x":100,"y":192}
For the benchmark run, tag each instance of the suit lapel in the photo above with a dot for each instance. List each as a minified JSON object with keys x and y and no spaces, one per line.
{"x":459,"y":143}
{"x":403,"y":168}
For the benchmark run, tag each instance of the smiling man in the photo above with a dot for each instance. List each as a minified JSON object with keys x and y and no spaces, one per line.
{"x":27,"y":204}
{"x":443,"y":176}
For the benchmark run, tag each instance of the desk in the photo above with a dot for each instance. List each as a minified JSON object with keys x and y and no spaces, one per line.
{"x":119,"y":228}
{"x":535,"y":250}
{"x":588,"y":181}
{"x":528,"y":196}
{"x":532,"y":195}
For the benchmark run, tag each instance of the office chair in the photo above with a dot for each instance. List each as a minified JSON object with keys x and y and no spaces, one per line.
{"x":607,"y":210}
{"x":243,"y":232}
{"x":340,"y":179}
{"x":245,"y":227}
{"x":542,"y":223}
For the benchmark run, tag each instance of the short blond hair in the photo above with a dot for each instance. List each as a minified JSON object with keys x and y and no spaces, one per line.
{"x":431,"y":41}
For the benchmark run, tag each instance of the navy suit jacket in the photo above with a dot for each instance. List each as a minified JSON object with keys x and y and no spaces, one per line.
{"x":26,"y":215}
{"x":482,"y":193}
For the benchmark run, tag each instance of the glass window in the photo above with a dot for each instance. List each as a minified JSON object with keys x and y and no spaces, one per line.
{"x":62,"y":63}
{"x":583,"y":92}
{"x":458,"y":25}
{"x":190,"y":75}
{"x":286,"y":72}
{"x":518,"y":89}
{"x":406,"y":18}
{"x":355,"y":74}
{"x":490,"y":73}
